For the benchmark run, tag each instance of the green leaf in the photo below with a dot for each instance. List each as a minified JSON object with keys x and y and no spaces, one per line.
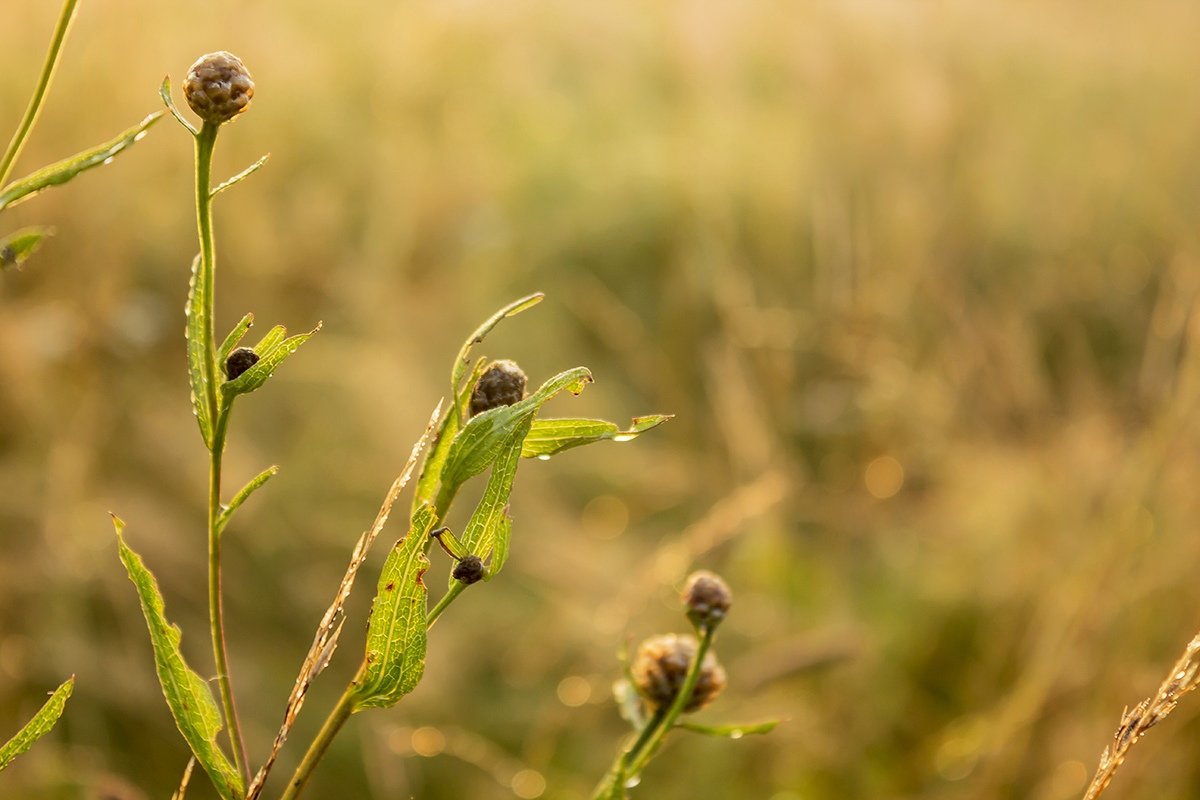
{"x":550,"y":436}
{"x":464,"y":353}
{"x":20,"y":245}
{"x":234,"y":338}
{"x":68,"y":168}
{"x":241,"y":176}
{"x":732,"y":731}
{"x":197,"y":363}
{"x":187,"y":694}
{"x":487,"y":532}
{"x":481,"y":440}
{"x":395,"y":657}
{"x":448,"y":428}
{"x":250,"y":488}
{"x":39,"y":726}
{"x":164,"y":91}
{"x":270,"y":355}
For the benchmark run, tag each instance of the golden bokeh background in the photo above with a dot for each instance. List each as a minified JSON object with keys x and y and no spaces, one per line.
{"x":918,"y":280}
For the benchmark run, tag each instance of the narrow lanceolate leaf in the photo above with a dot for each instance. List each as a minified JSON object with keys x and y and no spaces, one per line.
{"x":164,"y":91}
{"x":250,"y":488}
{"x":197,"y":363}
{"x":68,"y":168}
{"x":395,"y":657}
{"x":464,"y":354}
{"x":269,"y":358}
{"x":481,"y":440}
{"x":448,"y":427}
{"x":241,"y":176}
{"x":550,"y":436}
{"x":20,"y":245}
{"x":732,"y":731}
{"x":234,"y":338}
{"x":187,"y":694}
{"x":487,"y":532}
{"x":39,"y":726}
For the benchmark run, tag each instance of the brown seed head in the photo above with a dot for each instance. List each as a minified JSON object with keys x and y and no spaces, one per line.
{"x":706,"y":598}
{"x":501,"y":384}
{"x":469,"y":570}
{"x":218,"y":87}
{"x":660,"y":667}
{"x":239,"y":361}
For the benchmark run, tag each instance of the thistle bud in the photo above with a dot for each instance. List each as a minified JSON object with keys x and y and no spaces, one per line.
{"x":239,"y":361}
{"x":706,"y":599}
{"x":469,"y":570}
{"x":501,"y":384}
{"x":660,"y":667}
{"x":218,"y":87}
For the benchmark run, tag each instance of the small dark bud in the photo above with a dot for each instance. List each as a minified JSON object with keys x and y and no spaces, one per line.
{"x":239,"y":361}
{"x":469,"y":570}
{"x":706,"y":599}
{"x":218,"y":87}
{"x":501,"y":384}
{"x":660,"y":667}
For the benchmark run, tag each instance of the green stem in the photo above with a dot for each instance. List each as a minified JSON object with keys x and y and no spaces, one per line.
{"x":638,"y":763}
{"x":333,"y":723}
{"x":617,"y":774}
{"x":39,"y":93}
{"x":454,"y":591}
{"x":205,"y":143}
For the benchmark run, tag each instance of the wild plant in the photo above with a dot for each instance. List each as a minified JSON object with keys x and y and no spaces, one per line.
{"x":488,"y":424}
{"x":18,"y":246}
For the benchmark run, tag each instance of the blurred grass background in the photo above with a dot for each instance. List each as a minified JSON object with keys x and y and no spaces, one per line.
{"x":917,"y":279}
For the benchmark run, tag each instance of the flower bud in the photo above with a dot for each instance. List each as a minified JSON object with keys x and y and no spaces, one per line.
{"x":469,"y":570}
{"x":239,"y":361}
{"x":501,"y":384}
{"x":218,"y":87}
{"x":660,"y":667}
{"x":706,"y":599}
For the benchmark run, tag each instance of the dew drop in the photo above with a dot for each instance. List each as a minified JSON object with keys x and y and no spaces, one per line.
{"x":624,"y":437}
{"x":632,"y":782}
{"x":107,"y":161}
{"x":737,"y":733}
{"x":139,"y":136}
{"x":543,"y":457}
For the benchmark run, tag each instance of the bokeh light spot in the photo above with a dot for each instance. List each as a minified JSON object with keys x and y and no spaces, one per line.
{"x":884,"y":477}
{"x":605,"y":517}
{"x":428,"y":741}
{"x":528,"y":784}
{"x":574,"y":691}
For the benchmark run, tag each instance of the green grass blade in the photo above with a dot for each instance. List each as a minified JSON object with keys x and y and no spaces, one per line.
{"x":250,"y":488}
{"x":20,"y":245}
{"x":234,"y":338}
{"x":39,"y":726}
{"x":550,"y":436}
{"x":197,"y":363}
{"x":269,"y":359}
{"x":395,"y":657}
{"x":68,"y":168}
{"x":187,"y":694}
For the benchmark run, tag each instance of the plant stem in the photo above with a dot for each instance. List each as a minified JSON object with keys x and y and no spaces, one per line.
{"x":39,"y":93}
{"x":617,"y":774}
{"x":205,"y":143}
{"x":333,"y":723}
{"x":638,"y":763}
{"x":448,"y":598}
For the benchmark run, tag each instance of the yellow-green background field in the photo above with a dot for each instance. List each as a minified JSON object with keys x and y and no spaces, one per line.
{"x":919,"y":281}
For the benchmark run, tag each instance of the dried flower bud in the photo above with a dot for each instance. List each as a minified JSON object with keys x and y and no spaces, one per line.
{"x":239,"y":361}
{"x":501,"y":384}
{"x":660,"y":667}
{"x":469,"y":570}
{"x":218,"y":87}
{"x":706,"y":598}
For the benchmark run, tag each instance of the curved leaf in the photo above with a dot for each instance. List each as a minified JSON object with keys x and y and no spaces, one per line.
{"x":187,"y":694}
{"x":39,"y":726}
{"x":550,"y":436}
{"x":197,"y":363}
{"x":273,"y":350}
{"x":731,"y":731}
{"x":68,"y":168}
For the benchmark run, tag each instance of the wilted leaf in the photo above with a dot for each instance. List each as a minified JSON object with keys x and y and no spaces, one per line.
{"x":196,"y":311}
{"x":731,"y":731}
{"x":272,"y":351}
{"x":68,"y":168}
{"x":20,"y":245}
{"x":187,"y":694}
{"x":39,"y":726}
{"x":395,"y":657}
{"x":550,"y":436}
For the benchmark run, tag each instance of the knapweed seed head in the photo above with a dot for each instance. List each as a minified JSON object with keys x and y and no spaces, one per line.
{"x":501,"y":384}
{"x":239,"y":361}
{"x":218,"y":87}
{"x":469,"y":570}
{"x":706,"y":599}
{"x":660,"y":667}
